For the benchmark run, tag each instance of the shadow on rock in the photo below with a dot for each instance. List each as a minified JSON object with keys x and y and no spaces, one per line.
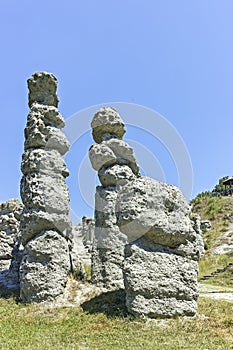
{"x":110,"y":303}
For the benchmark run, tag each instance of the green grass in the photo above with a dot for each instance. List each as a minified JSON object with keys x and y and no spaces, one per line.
{"x":40,"y":327}
{"x":219,"y":210}
{"x":210,"y":263}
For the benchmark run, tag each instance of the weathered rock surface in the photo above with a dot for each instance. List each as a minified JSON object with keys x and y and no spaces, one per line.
{"x":159,"y":283}
{"x":116,"y":165}
{"x":107,"y":124}
{"x":115,"y":175}
{"x":109,"y":242}
{"x":160,"y":270}
{"x":43,"y":89}
{"x":45,"y":226}
{"x":160,"y":213}
{"x":44,"y":267}
{"x":10,"y":247}
{"x":83,"y":235}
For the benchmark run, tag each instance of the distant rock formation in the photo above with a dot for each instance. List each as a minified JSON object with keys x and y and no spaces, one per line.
{"x":83,"y":236}
{"x":10,"y":247}
{"x":45,"y":225}
{"x":116,"y":165}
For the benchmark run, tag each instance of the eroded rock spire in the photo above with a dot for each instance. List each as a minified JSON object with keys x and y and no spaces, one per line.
{"x":45,"y":225}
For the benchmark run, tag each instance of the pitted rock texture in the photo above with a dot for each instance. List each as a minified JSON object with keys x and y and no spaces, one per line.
{"x":10,"y":247}
{"x":159,"y":283}
{"x":107,"y":124}
{"x":164,"y":245}
{"x":116,"y":165}
{"x":158,"y":212}
{"x":44,"y":267}
{"x":45,"y":226}
{"x":83,"y":235}
{"x":160,"y":270}
{"x":43,"y":89}
{"x":115,"y":175}
{"x":43,"y":129}
{"x":108,"y":243}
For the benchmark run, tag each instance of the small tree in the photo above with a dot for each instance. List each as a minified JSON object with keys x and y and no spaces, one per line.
{"x":219,"y":188}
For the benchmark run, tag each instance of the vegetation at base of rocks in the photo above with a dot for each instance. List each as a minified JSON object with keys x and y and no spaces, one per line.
{"x":37,"y":327}
{"x":211,"y":263}
{"x":219,"y":210}
{"x":87,"y":269}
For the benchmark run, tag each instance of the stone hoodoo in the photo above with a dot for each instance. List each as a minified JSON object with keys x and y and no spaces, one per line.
{"x":163,"y":246}
{"x":116,"y":165}
{"x":10,"y":247}
{"x":45,"y":225}
{"x":161,"y":260}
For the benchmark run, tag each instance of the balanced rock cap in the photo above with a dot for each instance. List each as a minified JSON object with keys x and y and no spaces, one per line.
{"x":43,"y":89}
{"x":107,"y":124}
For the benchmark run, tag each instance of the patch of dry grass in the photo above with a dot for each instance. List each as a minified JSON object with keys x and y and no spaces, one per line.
{"x":39,"y":327}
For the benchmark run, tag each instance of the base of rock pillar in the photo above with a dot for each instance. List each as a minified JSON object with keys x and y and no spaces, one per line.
{"x":44,"y":268}
{"x":159,"y":284}
{"x":107,"y":269}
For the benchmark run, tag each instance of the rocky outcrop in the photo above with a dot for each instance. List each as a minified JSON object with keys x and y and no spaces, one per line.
{"x":160,"y":270}
{"x":149,"y":221}
{"x":45,"y":225}
{"x":83,"y":235}
{"x":116,"y":165}
{"x":10,"y":247}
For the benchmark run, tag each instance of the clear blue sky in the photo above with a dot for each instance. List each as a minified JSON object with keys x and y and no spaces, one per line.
{"x":173,"y":56}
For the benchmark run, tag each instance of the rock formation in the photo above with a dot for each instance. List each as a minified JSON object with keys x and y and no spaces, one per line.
{"x":160,"y":258}
{"x":160,"y":270}
{"x":116,"y":165}
{"x":10,"y":247}
{"x":82,"y":238}
{"x":45,"y":225}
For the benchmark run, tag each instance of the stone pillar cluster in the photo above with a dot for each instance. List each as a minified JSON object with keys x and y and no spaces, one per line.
{"x":144,"y":240}
{"x":45,"y":225}
{"x":10,"y":247}
{"x":116,"y":165}
{"x":158,"y":265}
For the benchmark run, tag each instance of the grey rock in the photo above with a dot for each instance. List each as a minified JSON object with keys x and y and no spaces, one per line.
{"x":158,"y":283}
{"x":36,"y":190}
{"x":124,"y":153}
{"x":38,"y":134}
{"x":101,"y":155}
{"x":44,"y":268}
{"x":106,"y":124}
{"x":42,"y":89}
{"x":115,"y":175}
{"x":160,"y":270}
{"x":223,"y":248}
{"x":83,"y":235}
{"x":44,"y":224}
{"x":163,"y":245}
{"x":109,"y":242}
{"x":42,"y":161}
{"x":34,"y":221}
{"x":146,"y":207}
{"x":10,"y":247}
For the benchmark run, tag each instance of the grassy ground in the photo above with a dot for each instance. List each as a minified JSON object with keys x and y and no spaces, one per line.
{"x":211,"y":263}
{"x":40,"y":327}
{"x":219,"y":210}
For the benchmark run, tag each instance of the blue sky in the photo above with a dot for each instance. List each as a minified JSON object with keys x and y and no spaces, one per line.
{"x":172,"y":56}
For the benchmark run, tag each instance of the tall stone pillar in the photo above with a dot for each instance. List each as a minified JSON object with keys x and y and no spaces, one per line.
{"x":116,"y":165}
{"x":45,"y":225}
